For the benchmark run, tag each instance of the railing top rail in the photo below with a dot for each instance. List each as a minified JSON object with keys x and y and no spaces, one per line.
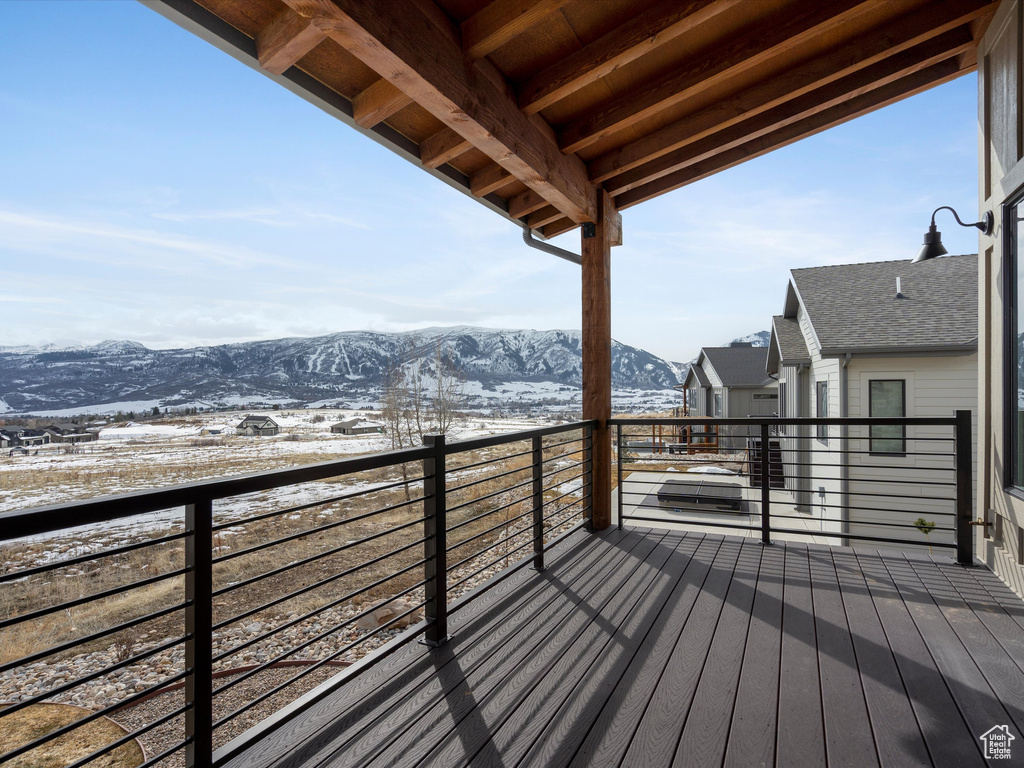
{"x":514,"y":437}
{"x":36,"y":520}
{"x":916,"y":421}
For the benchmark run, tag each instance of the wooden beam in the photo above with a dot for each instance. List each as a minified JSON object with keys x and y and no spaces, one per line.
{"x":489,"y":179}
{"x":640,"y":35}
{"x":739,"y":54}
{"x":502,"y":20}
{"x":404,"y":46}
{"x":285,"y":40}
{"x":525,"y":203}
{"x":918,"y":82}
{"x":898,"y":35}
{"x":377,"y":103}
{"x":443,"y":146}
{"x":559,"y":227}
{"x":597,"y":357}
{"x":544,"y":216}
{"x":861,"y":82}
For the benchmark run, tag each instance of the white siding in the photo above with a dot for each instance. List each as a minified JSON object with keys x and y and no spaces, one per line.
{"x":934,"y":386}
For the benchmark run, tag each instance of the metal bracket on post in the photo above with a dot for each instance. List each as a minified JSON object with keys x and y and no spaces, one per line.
{"x":766,"y":488}
{"x":589,"y":230}
{"x":964,"y":531}
{"x":435,"y":513}
{"x":538,"y":503}
{"x":199,"y":631}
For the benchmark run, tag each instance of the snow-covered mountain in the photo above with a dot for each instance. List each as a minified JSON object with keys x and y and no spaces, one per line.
{"x":342,"y":366}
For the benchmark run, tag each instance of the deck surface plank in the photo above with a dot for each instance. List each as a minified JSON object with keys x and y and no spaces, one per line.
{"x":801,"y":736}
{"x":751,"y":740}
{"x":706,"y":731}
{"x":897,"y":734}
{"x":849,"y":741}
{"x":566,"y":730}
{"x":568,"y":682}
{"x":655,"y":741}
{"x":656,"y":648}
{"x":453,"y":705}
{"x":611,"y":733}
{"x":947,"y":735}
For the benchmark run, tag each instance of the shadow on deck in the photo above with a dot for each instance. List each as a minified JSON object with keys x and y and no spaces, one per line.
{"x":657,"y":648}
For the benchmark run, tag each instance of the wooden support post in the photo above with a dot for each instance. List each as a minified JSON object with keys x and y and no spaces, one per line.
{"x":597,"y":348}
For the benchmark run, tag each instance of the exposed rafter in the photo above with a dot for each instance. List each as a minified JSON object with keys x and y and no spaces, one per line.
{"x":377,"y":103}
{"x":863,"y":81}
{"x":285,"y":40}
{"x":707,"y":69}
{"x":863,"y":51}
{"x":501,"y":22}
{"x":907,"y":86}
{"x":406,"y":48}
{"x":644,"y":33}
{"x":438,"y":149}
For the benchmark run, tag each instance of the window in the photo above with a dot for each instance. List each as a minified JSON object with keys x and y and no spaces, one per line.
{"x":782,"y":399}
{"x":821,"y":408}
{"x":888,"y":398}
{"x":1013,"y":335}
{"x":718,"y":405}
{"x":691,"y":401}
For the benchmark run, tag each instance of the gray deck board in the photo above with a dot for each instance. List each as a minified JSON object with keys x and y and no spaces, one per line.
{"x":654,"y":648}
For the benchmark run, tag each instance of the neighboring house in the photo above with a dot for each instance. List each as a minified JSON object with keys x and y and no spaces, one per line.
{"x":257,"y":426}
{"x":849,"y":344}
{"x":69,"y":432}
{"x":31,"y":437}
{"x":357,"y":427}
{"x":730,"y":382}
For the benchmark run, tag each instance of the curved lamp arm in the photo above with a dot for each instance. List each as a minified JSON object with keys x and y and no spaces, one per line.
{"x":986,"y":224}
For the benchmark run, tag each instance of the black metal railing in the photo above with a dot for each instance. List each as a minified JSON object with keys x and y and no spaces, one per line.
{"x":230,"y":606}
{"x":859,"y":481}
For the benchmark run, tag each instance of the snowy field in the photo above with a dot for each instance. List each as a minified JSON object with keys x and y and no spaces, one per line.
{"x":140,"y":456}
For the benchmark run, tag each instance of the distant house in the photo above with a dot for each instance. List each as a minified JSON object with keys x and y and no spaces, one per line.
{"x":32,"y":437}
{"x":69,"y":432}
{"x":730,"y":382}
{"x":257,"y":426}
{"x":888,"y":338}
{"x":357,"y":427}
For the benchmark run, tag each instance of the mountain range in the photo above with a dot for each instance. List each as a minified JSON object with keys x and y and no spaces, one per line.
{"x":345,"y":367}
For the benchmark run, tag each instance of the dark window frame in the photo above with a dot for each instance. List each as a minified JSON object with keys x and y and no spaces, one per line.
{"x":903,"y":414}
{"x":1013,"y":472}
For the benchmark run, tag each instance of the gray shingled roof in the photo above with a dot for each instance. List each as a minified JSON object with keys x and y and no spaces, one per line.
{"x":739,"y":366}
{"x":853,"y":307}
{"x":791,"y":340}
{"x":701,"y":376}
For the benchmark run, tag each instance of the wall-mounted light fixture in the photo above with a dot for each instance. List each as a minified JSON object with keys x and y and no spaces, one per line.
{"x":933,"y":238}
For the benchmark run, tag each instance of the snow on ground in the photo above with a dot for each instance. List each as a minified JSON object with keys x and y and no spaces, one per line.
{"x":133,"y":431}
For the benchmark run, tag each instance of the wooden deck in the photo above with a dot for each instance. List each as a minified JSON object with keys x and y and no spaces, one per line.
{"x":656,"y":648}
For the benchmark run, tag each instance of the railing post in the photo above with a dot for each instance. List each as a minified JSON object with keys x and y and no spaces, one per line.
{"x":766,"y":487}
{"x":618,"y":462}
{"x":964,"y":531}
{"x":588,"y":473}
{"x":538,"y":503}
{"x":435,"y":513}
{"x":199,"y":631}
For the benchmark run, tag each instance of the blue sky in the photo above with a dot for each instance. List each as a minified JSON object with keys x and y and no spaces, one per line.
{"x":153,"y":188}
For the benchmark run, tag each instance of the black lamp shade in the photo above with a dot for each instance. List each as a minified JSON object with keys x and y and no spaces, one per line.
{"x":932,"y":247}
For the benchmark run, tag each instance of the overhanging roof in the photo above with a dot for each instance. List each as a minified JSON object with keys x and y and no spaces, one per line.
{"x":533,"y":106}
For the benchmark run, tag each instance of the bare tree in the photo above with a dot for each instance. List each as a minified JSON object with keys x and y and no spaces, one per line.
{"x":413,"y":404}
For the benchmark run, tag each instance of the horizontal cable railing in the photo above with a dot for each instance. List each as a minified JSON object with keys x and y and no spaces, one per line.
{"x":904,"y":482}
{"x":241,"y":602}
